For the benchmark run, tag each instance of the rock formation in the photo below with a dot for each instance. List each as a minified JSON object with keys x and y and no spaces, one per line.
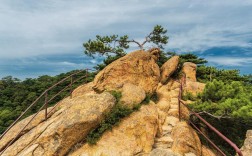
{"x":134,"y":135}
{"x":138,"y":68}
{"x":186,"y":139}
{"x":71,"y":122}
{"x":168,"y":68}
{"x":192,"y":86}
{"x":153,"y":130}
{"x":190,"y":69}
{"x":247,"y":147}
{"x":129,"y":99}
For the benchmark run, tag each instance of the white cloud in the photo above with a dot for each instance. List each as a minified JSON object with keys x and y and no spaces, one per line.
{"x":230,"y":61}
{"x":57,"y":27}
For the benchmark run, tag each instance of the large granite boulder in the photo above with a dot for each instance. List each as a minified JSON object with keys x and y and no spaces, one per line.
{"x":138,"y":68}
{"x":185,"y":139}
{"x":135,"y":134}
{"x":189,"y":69}
{"x":168,"y":68}
{"x":72,"y":121}
{"x":132,"y":95}
{"x":83,"y":89}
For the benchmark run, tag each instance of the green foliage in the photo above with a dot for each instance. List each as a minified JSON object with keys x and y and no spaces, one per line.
{"x":117,"y":95}
{"x":146,"y":99}
{"x":17,"y":95}
{"x":186,"y":58}
{"x":188,"y":96}
{"x":189,"y":57}
{"x":226,"y":99}
{"x":114,"y":46}
{"x":106,"y":45}
{"x":112,"y":118}
{"x":158,"y":37}
{"x":207,"y":73}
{"x":230,"y":106}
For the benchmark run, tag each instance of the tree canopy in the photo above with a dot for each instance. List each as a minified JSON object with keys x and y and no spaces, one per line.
{"x":115,"y":44}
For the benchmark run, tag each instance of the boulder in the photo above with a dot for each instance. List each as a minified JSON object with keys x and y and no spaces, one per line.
{"x":20,"y":125}
{"x":247,"y":146}
{"x":138,"y":68}
{"x":71,"y":122}
{"x":135,"y":134}
{"x":163,"y":105}
{"x":194,"y":87}
{"x":83,"y":89}
{"x":189,"y":69}
{"x":185,"y":139}
{"x":132,"y":95}
{"x":168,"y":68}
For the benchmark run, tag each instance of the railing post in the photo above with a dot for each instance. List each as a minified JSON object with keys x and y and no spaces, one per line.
{"x":46,"y":104}
{"x":71,"y":87}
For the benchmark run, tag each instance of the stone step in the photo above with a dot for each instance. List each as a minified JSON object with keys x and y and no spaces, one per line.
{"x":174,"y":100}
{"x":170,"y":120}
{"x":173,"y":112}
{"x":167,"y":140}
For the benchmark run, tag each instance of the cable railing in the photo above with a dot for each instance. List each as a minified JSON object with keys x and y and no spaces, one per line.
{"x":47,"y":100}
{"x":213,"y":129}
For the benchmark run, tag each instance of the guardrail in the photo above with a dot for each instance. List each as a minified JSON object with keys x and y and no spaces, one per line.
{"x":45,"y":105}
{"x":181,"y":103}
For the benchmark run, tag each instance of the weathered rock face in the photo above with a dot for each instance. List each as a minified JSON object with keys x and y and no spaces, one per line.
{"x":247,"y":147}
{"x":168,"y":68}
{"x":19,"y":126}
{"x":138,"y":68}
{"x":163,"y":152}
{"x":189,"y":69}
{"x":132,"y":95}
{"x":207,"y":152}
{"x":134,"y":135}
{"x":83,"y":89}
{"x":186,"y":140}
{"x":71,"y":122}
{"x":194,"y":87}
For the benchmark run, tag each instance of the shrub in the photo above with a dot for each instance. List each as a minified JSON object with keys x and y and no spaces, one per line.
{"x":112,"y":118}
{"x":189,"y":96}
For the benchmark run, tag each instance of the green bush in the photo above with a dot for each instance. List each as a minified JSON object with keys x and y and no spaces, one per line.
{"x":230,"y":104}
{"x":112,"y":118}
{"x":189,"y":96}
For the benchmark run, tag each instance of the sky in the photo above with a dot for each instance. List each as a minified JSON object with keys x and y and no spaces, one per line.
{"x":45,"y":37}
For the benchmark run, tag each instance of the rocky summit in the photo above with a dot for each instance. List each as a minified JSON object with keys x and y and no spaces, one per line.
{"x":153,"y":129}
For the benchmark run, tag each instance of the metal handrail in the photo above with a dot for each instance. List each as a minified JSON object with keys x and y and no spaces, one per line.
{"x":45,"y":105}
{"x":233,"y":145}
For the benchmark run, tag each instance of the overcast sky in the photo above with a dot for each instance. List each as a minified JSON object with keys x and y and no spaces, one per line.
{"x":46,"y":36}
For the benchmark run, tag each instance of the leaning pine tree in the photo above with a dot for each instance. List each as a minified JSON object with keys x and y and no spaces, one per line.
{"x":114,"y":46}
